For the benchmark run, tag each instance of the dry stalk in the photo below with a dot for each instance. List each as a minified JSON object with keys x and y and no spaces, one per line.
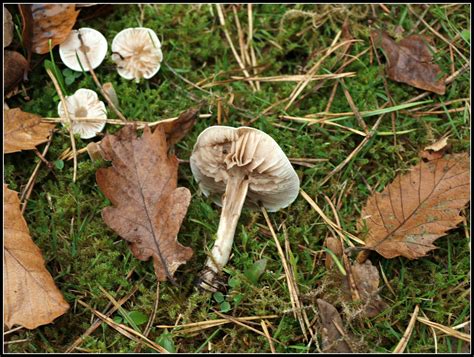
{"x":267,"y":335}
{"x":152,"y":318}
{"x":250,"y":43}
{"x":354,"y":107}
{"x":237,"y":322}
{"x":433,"y":331}
{"x":229,"y":40}
{"x":447,"y":330}
{"x":125,"y":330}
{"x":406,"y":336}
{"x":69,"y":121}
{"x":25,"y":195}
{"x":98,"y":321}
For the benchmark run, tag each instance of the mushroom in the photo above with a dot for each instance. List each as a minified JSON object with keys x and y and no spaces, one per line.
{"x":137,"y":53}
{"x":95,"y":46}
{"x":85,"y":103}
{"x":233,"y":166}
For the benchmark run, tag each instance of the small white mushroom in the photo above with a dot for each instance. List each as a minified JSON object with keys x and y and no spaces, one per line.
{"x":95,"y":46}
{"x":85,"y":103}
{"x":137,"y":53}
{"x":233,"y":166}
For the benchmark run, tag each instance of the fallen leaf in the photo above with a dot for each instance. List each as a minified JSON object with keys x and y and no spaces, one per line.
{"x":417,"y":208}
{"x":147,"y":207}
{"x":174,"y":129}
{"x":44,"y":22}
{"x":367,"y":280}
{"x":23,"y":131}
{"x":410,"y":62}
{"x":335,"y":246}
{"x":30,"y":296}
{"x":333,"y":335}
{"x":436,"y":150}
{"x":7,"y":27}
{"x":14,"y":69}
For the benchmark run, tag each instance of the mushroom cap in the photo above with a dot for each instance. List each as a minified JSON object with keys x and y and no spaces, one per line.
{"x":96,"y":49}
{"x":86,"y":104}
{"x":221,"y":151}
{"x":137,"y":53}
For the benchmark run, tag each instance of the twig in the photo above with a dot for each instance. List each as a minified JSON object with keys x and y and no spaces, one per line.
{"x":125,"y":330}
{"x":98,"y":321}
{"x":237,"y":322}
{"x":447,"y":330}
{"x":354,"y":152}
{"x":406,"y":336}
{"x":96,"y":80}
{"x":25,"y":195}
{"x":229,"y":40}
{"x":69,"y":121}
{"x":152,"y":318}
{"x":354,"y":107}
{"x":267,"y":335}
{"x":250,"y":43}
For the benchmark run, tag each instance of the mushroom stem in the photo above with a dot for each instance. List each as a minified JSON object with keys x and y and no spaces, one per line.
{"x":234,"y":197}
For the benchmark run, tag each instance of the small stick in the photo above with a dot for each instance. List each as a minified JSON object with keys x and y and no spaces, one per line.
{"x":267,"y":335}
{"x":235,"y":321}
{"x":229,"y":40}
{"x":96,"y":80}
{"x":152,"y":318}
{"x":250,"y":43}
{"x":354,"y":107}
{"x":69,"y":121}
{"x":447,"y":330}
{"x":350,"y":277}
{"x":219,"y":111}
{"x":25,"y":195}
{"x":433,"y":331}
{"x":125,"y":330}
{"x":406,"y":336}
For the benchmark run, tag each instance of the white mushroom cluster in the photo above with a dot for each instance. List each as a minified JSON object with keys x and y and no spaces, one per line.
{"x":233,"y":166}
{"x":137,"y":53}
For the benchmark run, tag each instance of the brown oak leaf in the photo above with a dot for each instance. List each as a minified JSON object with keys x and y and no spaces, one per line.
{"x":23,"y":131}
{"x":410,"y":62}
{"x":417,"y":208}
{"x":147,"y":207}
{"x":30,"y":296}
{"x":436,"y":150}
{"x":44,"y":22}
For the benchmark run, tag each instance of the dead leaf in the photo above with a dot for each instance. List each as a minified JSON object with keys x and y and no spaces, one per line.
{"x":410,"y":62}
{"x":30,"y":296}
{"x":7,"y":27}
{"x":436,"y":150}
{"x":367,"y":280}
{"x":175,"y":130}
{"x":42,"y":22}
{"x":147,"y":207}
{"x":14,"y":69}
{"x":417,"y":208}
{"x":23,"y":131}
{"x":332,"y":332}
{"x":335,"y":246}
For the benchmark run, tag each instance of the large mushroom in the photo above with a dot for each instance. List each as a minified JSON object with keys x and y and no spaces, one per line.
{"x":233,"y":166}
{"x":93,"y":44}
{"x":137,"y":53}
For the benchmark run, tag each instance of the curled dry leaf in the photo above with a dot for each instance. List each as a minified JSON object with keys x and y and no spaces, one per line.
{"x":417,"y":208}
{"x":30,"y":296}
{"x":436,"y":150}
{"x":14,"y":69}
{"x":44,"y":22}
{"x":7,"y":27}
{"x":410,"y":62}
{"x":333,"y":334}
{"x":147,"y":207}
{"x":23,"y":131}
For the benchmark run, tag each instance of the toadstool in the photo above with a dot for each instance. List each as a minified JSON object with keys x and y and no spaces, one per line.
{"x":85,"y":103}
{"x":137,"y":53}
{"x":95,"y":46}
{"x":233,"y":166}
